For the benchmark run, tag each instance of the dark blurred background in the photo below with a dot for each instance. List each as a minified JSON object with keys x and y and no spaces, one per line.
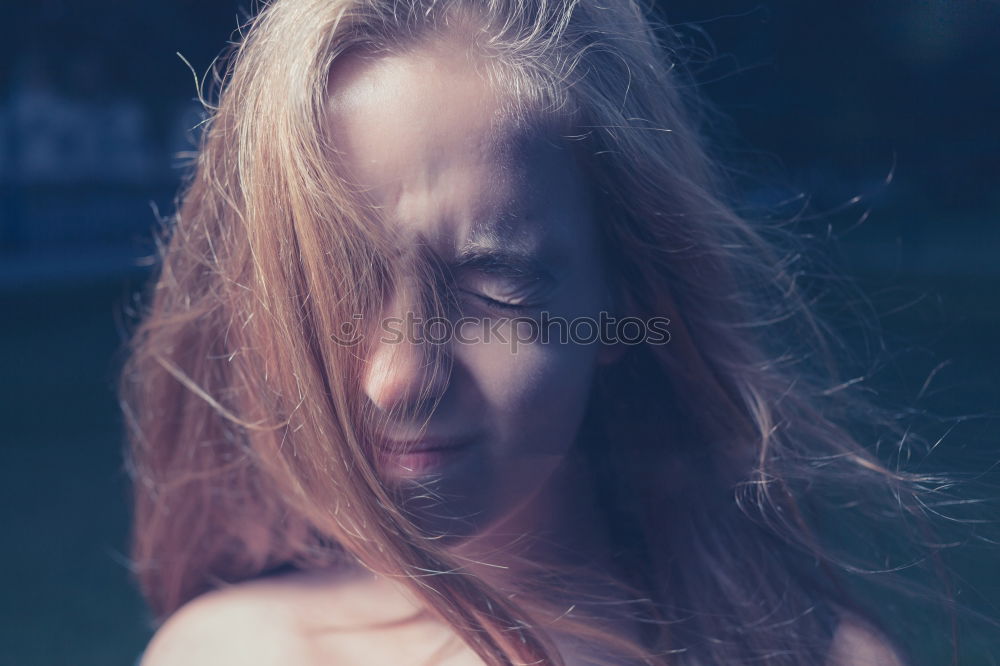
{"x":895,"y":103}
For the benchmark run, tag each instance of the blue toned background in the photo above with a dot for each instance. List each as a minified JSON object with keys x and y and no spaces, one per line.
{"x":895,"y":101}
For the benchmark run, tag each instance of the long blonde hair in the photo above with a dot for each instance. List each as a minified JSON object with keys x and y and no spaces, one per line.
{"x":729,"y":460}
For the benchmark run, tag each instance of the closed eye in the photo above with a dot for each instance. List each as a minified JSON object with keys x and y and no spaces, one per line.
{"x":498,"y":304}
{"x":503,"y":291}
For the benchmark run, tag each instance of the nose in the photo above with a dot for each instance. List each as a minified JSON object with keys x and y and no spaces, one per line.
{"x":405,"y":373}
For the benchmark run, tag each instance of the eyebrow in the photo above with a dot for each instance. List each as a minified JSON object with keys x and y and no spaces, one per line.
{"x":503,"y":262}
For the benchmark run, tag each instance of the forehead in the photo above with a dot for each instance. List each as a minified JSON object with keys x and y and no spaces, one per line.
{"x":431,"y":144}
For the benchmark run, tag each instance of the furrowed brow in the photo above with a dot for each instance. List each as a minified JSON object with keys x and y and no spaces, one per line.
{"x":498,"y":261}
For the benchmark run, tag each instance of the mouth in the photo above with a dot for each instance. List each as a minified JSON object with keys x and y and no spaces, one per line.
{"x":420,"y":457}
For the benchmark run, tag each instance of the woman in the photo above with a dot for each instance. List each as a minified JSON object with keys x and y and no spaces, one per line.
{"x":351,"y":443}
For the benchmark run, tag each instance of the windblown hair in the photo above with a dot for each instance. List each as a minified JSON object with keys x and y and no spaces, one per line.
{"x":731,"y":463}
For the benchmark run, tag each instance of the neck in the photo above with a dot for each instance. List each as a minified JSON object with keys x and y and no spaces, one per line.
{"x":562,"y":522}
{"x":565,"y":531}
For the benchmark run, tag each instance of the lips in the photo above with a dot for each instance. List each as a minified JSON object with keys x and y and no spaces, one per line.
{"x":410,"y":457}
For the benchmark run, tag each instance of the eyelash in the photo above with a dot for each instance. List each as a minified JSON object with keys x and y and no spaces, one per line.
{"x":500,"y":305}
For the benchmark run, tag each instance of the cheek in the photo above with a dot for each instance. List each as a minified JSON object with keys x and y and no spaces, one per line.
{"x":534,"y":395}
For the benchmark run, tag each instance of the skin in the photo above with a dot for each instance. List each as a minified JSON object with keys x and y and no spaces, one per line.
{"x":323,"y":618}
{"x":418,"y":135}
{"x":421,"y":136}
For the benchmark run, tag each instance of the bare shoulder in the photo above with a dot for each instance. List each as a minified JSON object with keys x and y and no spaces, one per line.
{"x":300,"y":618}
{"x":857,"y":643}
{"x":246,"y":624}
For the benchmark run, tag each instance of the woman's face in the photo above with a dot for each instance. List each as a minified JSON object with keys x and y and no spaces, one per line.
{"x":509,"y":214}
